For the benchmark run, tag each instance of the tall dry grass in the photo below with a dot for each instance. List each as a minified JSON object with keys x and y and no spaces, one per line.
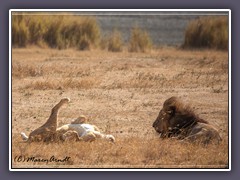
{"x":61,"y":31}
{"x":20,"y":33}
{"x":140,"y":41}
{"x":115,"y":42}
{"x":207,"y":32}
{"x":83,"y":33}
{"x":71,"y":31}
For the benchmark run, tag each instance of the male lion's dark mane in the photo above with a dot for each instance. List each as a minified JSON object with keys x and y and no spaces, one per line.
{"x":178,"y":120}
{"x":182,"y":116}
{"x":184,"y":111}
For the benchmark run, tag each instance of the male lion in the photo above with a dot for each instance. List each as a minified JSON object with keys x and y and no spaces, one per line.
{"x":177,"y":120}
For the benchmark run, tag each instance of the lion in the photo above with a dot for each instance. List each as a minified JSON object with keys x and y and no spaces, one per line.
{"x":177,"y":120}
{"x":87,"y":132}
{"x":48,"y":129}
{"x":79,"y":129}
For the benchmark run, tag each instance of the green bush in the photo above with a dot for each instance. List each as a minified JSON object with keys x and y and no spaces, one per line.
{"x":207,"y":32}
{"x":140,"y":41}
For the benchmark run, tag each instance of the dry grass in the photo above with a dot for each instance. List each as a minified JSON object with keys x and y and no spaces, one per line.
{"x":140,"y":41}
{"x":115,"y":42}
{"x":131,"y":152}
{"x":62,"y":31}
{"x":122,"y":94}
{"x":62,"y":83}
{"x":207,"y":32}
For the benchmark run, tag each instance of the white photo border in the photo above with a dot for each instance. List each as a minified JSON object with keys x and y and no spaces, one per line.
{"x":206,"y":12}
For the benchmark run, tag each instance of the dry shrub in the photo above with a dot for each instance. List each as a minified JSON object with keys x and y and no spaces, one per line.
{"x":148,"y":80}
{"x":52,"y":35}
{"x":63,"y":83}
{"x":84,"y":43}
{"x":140,"y":41}
{"x":22,"y":70}
{"x":80,"y":32}
{"x":56,"y":31}
{"x":36,"y":31}
{"x":115,"y":42}
{"x":20,"y":32}
{"x":103,"y":44}
{"x":141,"y":80}
{"x":91,"y":30}
{"x":207,"y":32}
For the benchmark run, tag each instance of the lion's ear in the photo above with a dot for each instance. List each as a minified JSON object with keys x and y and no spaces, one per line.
{"x":171,"y":110}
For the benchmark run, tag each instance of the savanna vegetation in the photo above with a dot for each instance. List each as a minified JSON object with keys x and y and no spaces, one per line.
{"x":207,"y":32}
{"x":83,"y":33}
{"x":121,"y":93}
{"x":61,"y":31}
{"x":69,"y":31}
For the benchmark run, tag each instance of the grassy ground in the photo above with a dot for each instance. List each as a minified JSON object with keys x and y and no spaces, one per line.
{"x":122,"y":94}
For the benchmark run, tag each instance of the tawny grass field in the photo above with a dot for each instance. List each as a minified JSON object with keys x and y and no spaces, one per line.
{"x":122,"y":94}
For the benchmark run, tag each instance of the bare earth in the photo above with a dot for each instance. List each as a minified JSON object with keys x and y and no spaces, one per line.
{"x":122,"y":94}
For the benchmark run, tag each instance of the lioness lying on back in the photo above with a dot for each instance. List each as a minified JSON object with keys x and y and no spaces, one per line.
{"x":87,"y":132}
{"x":78,"y":129}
